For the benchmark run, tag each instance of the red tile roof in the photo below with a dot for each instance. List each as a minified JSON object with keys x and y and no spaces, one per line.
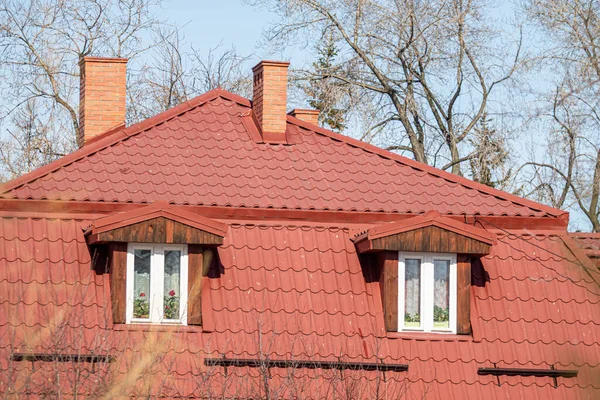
{"x":589,"y":241}
{"x":201,"y":153}
{"x":285,"y":289}
{"x":297,"y":292}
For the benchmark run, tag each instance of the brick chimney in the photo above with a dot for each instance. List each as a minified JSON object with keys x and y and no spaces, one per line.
{"x":308,"y":115}
{"x":270,"y":99}
{"x":102,"y":94}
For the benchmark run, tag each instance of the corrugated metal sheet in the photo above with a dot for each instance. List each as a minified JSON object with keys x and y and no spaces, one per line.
{"x":295,"y":292}
{"x":204,"y":156}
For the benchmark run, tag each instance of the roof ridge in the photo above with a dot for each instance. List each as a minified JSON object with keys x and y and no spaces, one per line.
{"x":119,"y":133}
{"x":555,"y":212}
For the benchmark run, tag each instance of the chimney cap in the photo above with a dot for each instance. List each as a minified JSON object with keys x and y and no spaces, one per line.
{"x":310,"y":111}
{"x":270,"y":63}
{"x":306,"y":114}
{"x":102,"y":60}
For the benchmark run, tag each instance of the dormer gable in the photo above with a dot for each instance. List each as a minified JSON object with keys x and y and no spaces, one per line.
{"x":430,"y":232}
{"x":159,"y":222}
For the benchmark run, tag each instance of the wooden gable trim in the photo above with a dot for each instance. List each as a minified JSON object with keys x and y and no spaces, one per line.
{"x":157,"y":230}
{"x":432,"y":218}
{"x":430,"y":233}
{"x":157,"y":223}
{"x":430,"y":239}
{"x":158,"y":209}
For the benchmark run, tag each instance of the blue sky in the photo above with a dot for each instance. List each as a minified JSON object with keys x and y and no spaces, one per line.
{"x":208,"y":23}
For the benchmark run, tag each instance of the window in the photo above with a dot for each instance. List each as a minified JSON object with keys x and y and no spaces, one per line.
{"x":157,"y":277}
{"x":427,"y":292}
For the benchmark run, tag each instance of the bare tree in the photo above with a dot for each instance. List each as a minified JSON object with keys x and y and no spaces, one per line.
{"x":41,"y":43}
{"x":177,"y":72}
{"x":569,"y":171}
{"x":428,"y":68}
{"x":161,"y":82}
{"x":219,"y":68}
{"x":30,"y":141}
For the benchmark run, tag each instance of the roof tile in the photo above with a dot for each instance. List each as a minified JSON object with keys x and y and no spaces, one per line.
{"x":302,"y":289}
{"x":204,"y":156}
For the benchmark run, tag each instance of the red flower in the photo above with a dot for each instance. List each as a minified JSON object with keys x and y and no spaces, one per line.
{"x":166,"y":307}
{"x":172,"y":293}
{"x":142,"y":294}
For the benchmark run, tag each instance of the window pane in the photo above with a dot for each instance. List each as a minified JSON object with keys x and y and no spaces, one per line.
{"x":141,"y":283}
{"x":412,"y":291}
{"x":172,"y":283}
{"x":441,"y":302}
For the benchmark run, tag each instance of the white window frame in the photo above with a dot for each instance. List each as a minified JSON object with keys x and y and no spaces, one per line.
{"x":427,"y":291}
{"x":157,"y":282}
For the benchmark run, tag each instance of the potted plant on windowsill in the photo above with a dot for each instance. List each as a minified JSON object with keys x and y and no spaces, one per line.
{"x":172,"y":305}
{"x":141,"y":307}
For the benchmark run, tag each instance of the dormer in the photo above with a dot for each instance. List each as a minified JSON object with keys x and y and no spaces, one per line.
{"x":157,"y":257}
{"x":424,"y":269}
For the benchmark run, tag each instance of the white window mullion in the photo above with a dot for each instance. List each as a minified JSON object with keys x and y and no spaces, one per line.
{"x":427,"y":293}
{"x":158,"y":266}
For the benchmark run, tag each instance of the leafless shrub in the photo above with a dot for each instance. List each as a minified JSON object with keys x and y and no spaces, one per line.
{"x":160,"y":361}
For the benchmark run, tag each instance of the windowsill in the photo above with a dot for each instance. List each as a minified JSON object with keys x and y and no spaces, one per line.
{"x":157,"y":327}
{"x":431,"y":336}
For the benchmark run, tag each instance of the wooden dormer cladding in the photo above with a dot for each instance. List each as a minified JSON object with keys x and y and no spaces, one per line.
{"x":430,"y":233}
{"x":157,"y":223}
